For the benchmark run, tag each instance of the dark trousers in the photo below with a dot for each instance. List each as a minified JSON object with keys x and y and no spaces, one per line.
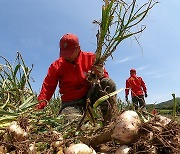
{"x":79,"y":104}
{"x":96,"y":91}
{"x":106,"y":86}
{"x":138,"y":101}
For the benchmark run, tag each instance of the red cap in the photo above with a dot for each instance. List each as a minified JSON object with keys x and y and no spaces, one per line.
{"x":68,"y":43}
{"x":133,"y":70}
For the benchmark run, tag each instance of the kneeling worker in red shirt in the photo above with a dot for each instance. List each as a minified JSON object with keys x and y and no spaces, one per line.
{"x":70,"y":71}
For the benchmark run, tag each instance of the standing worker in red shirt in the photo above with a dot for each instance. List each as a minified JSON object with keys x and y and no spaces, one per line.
{"x":70,"y":71}
{"x":138,"y":89}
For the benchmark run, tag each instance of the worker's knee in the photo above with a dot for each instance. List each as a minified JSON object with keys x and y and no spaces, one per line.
{"x":108,"y":85}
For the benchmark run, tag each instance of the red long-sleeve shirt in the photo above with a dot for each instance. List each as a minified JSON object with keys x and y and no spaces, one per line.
{"x":71,"y":78}
{"x":136,"y":85}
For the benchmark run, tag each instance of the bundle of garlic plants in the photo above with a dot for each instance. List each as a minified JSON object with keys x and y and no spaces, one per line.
{"x":120,"y":20}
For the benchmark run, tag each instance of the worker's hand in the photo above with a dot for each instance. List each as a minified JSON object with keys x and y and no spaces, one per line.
{"x":98,"y":69}
{"x":41,"y":105}
{"x":126,"y":98}
{"x":146,"y":95}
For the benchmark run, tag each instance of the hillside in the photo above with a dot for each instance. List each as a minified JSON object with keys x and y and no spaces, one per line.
{"x":166,"y":105}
